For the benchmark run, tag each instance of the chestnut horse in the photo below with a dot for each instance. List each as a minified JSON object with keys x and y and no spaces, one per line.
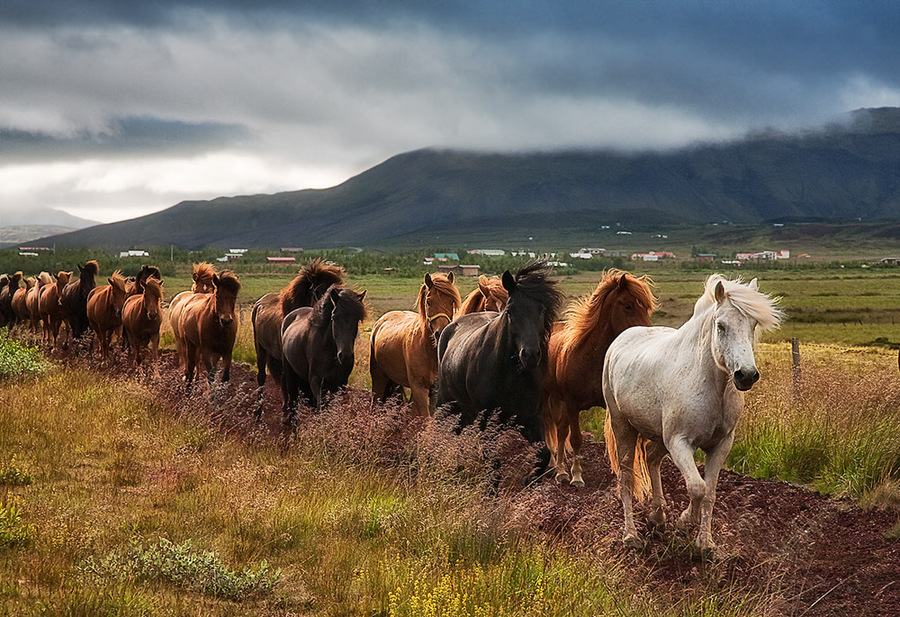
{"x":317,"y":346}
{"x":32,"y":300}
{"x":490,"y":295}
{"x":403,"y":350}
{"x":205,"y":327}
{"x":142,"y":318}
{"x":202,"y":276}
{"x":104,"y":311}
{"x":19,"y":306}
{"x":52,"y":312}
{"x":7,"y":314}
{"x":74,"y":298}
{"x":308,"y":286}
{"x":577,"y":348}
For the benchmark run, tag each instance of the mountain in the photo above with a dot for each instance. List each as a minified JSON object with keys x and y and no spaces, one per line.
{"x":21,"y":226}
{"x":847,"y":171}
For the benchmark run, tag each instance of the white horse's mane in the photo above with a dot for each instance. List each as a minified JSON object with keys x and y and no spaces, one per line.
{"x":751,"y":302}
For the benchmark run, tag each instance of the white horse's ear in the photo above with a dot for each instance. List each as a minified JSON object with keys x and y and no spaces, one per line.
{"x":754,"y":284}
{"x":719,"y":292}
{"x":509,"y":282}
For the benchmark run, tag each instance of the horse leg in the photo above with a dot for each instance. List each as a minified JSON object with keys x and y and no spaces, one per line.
{"x":573,"y":416}
{"x":562,"y":434}
{"x":626,"y":444}
{"x":190,"y":364}
{"x":261,"y":363}
{"x":715,"y":458}
{"x":226,"y":368}
{"x":656,"y":452}
{"x":419,"y":400}
{"x":682,"y":454}
{"x":289,"y":390}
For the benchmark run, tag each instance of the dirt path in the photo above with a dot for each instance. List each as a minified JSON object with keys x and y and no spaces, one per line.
{"x":820,"y":556}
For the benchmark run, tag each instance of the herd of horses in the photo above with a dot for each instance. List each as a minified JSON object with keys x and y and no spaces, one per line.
{"x":500,"y":355}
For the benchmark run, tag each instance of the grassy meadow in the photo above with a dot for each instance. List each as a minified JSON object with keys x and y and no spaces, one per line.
{"x":120,"y":497}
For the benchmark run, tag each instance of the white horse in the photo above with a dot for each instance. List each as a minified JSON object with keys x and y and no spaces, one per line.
{"x":672,"y":391}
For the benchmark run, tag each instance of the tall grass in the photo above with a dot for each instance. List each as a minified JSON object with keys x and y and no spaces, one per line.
{"x":838,"y":431}
{"x":134,"y":488}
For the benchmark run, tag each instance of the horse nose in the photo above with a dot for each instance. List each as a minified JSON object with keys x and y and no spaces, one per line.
{"x":345,"y":358}
{"x":225,"y":321}
{"x":151,"y":316}
{"x":745,"y":378}
{"x":530,"y":357}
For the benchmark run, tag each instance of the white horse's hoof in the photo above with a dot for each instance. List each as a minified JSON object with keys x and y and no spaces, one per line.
{"x":685,"y":521}
{"x":632,"y":542}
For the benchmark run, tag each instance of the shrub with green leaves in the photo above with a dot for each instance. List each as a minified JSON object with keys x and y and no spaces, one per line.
{"x":181,"y":565}
{"x":19,"y":360}
{"x":12,"y":474}
{"x":13,"y":532}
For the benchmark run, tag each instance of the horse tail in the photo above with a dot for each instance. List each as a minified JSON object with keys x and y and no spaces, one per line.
{"x":641,"y":482}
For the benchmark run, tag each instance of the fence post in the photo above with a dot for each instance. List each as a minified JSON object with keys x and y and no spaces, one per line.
{"x":795,"y":366}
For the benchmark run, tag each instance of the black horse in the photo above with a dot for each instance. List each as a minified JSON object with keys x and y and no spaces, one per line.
{"x":317,"y":346}
{"x":492,"y":364}
{"x":74,"y":299}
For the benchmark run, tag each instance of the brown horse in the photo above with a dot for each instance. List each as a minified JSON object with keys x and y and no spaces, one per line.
{"x":572,"y":381}
{"x":135,"y":285}
{"x":7,"y":314}
{"x":490,"y":295}
{"x":403,"y":350}
{"x":308,"y":286}
{"x":104,"y":311}
{"x":205,"y":327}
{"x":74,"y":298}
{"x":202,"y":276}
{"x":32,"y":300}
{"x":142,"y":318}
{"x":19,"y":301}
{"x":51,"y":309}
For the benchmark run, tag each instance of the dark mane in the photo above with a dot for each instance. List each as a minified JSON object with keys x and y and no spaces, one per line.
{"x":533,"y":281}
{"x":229,"y":281}
{"x":89,"y":271}
{"x":310,"y":284}
{"x":586,"y":312}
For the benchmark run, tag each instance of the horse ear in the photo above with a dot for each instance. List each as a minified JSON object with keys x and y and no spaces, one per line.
{"x":719,"y":292}
{"x":483,"y":287}
{"x":450,"y":276}
{"x":428,"y":281}
{"x":623,"y":285}
{"x":215,"y":280}
{"x":509,"y":282}
{"x":362,"y":296}
{"x":109,"y":280}
{"x":754,"y":284}
{"x":335,"y":293}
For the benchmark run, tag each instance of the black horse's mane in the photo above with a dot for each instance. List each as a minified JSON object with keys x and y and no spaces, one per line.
{"x":533,"y":281}
{"x":348,"y":299}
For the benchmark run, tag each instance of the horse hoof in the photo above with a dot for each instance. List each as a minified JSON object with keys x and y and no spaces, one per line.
{"x":562,"y":478}
{"x":633,"y":542}
{"x":578,"y":483}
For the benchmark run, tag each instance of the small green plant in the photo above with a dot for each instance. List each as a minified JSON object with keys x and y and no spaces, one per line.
{"x":13,"y":475}
{"x":19,"y":360}
{"x":13,"y":532}
{"x":185,"y":567}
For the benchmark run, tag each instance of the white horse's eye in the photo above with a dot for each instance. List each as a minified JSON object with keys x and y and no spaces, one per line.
{"x":721,"y":327}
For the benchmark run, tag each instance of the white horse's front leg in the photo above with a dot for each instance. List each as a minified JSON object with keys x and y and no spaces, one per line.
{"x":715,"y":458}
{"x":656,"y":452}
{"x":682,"y":454}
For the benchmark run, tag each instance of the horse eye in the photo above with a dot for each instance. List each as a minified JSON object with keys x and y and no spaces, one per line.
{"x":720,"y":327}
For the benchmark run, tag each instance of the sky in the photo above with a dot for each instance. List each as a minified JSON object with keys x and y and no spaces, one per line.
{"x":111,"y":109}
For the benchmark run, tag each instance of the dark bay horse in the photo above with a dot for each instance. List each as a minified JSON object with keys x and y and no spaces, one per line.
{"x":142,"y":319}
{"x":53,"y":314}
{"x":135,"y":285}
{"x":205,"y":327}
{"x":308,"y":286}
{"x":577,"y":348}
{"x":403,"y":350}
{"x":493,"y":363}
{"x":74,"y":298}
{"x":490,"y":295}
{"x":7,"y":314}
{"x":104,"y":311}
{"x":318,"y":347}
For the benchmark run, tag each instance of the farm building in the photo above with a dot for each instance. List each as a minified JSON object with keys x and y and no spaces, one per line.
{"x":460,"y":269}
{"x":281,"y":260}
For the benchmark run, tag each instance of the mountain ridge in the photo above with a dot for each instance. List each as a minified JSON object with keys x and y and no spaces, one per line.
{"x":849,"y":170}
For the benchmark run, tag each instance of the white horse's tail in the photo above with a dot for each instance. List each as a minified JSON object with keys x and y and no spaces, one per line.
{"x":641,"y":482}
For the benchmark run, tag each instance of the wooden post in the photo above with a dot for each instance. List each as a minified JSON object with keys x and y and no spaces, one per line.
{"x":795,"y":366}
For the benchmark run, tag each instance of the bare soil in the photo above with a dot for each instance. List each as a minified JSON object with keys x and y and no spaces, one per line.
{"x":813,"y":554}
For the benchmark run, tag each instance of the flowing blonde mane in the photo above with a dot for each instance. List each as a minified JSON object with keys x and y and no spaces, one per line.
{"x":118,"y":281}
{"x":584,"y":313}
{"x":750,"y":302}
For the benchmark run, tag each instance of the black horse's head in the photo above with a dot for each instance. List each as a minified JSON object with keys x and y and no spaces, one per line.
{"x":534,"y":302}
{"x":347,"y":311}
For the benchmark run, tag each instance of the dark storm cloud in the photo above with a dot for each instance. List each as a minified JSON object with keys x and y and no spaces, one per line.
{"x":122,"y":136}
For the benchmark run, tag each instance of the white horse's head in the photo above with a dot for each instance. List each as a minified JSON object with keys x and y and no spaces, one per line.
{"x":740,"y":312}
